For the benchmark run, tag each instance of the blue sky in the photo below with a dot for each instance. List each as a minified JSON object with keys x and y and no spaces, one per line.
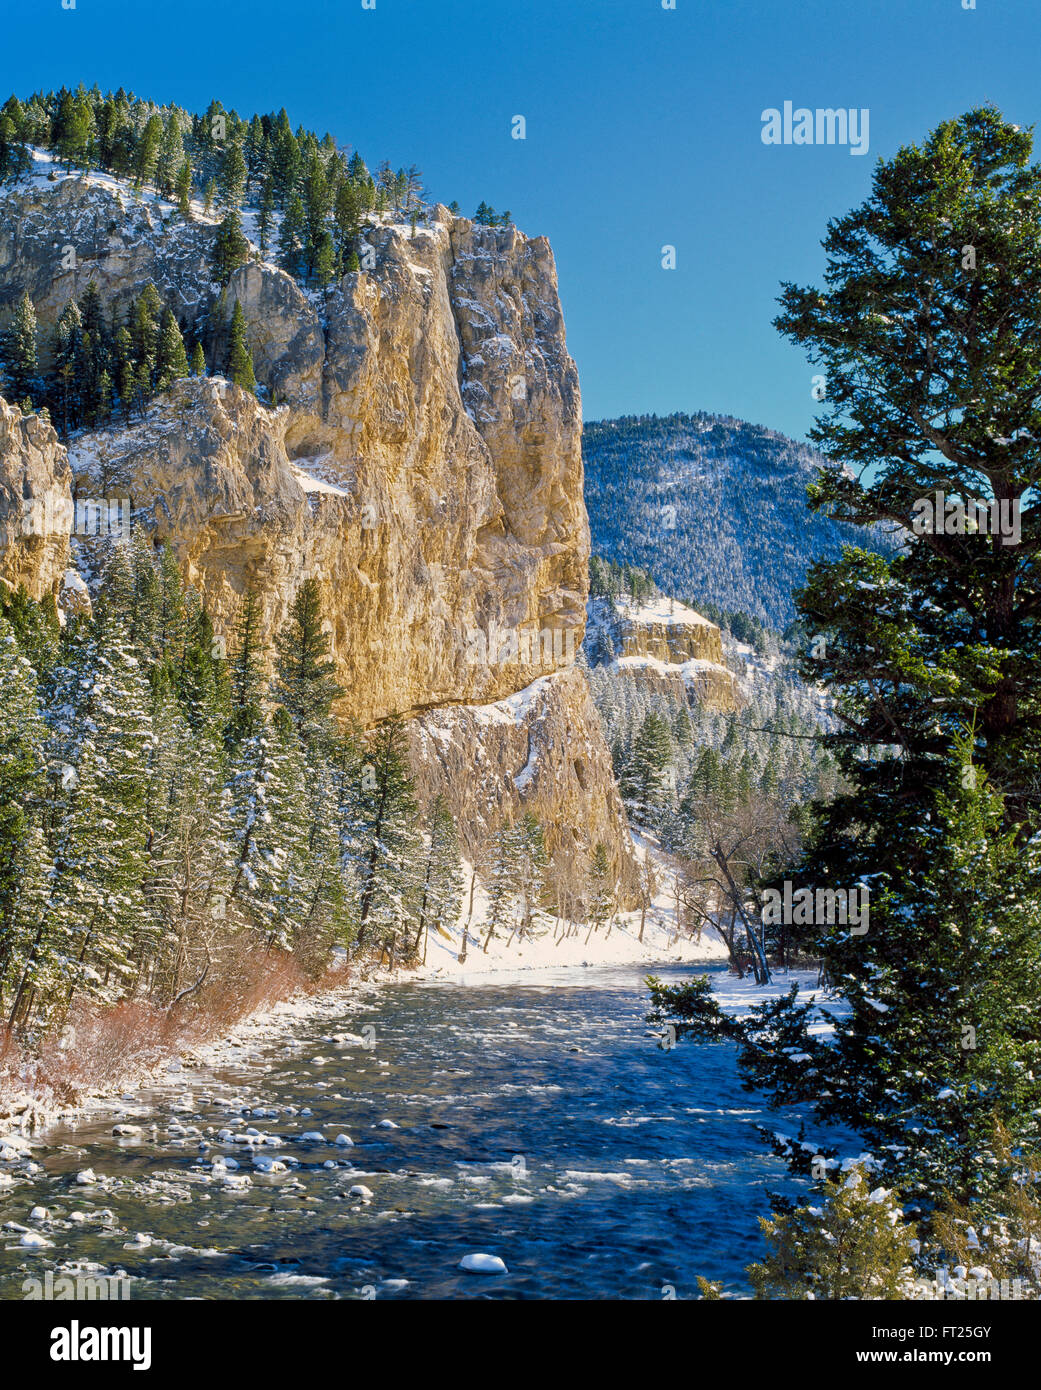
{"x":643,"y":129}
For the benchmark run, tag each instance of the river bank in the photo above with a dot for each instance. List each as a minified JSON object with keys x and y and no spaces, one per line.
{"x":32,"y":1107}
{"x":366,"y":1153}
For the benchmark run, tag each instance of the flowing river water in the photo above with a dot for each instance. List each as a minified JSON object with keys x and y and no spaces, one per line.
{"x":536,"y":1121}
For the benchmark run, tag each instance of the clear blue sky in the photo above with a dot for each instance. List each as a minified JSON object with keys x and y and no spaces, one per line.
{"x":643,"y":128}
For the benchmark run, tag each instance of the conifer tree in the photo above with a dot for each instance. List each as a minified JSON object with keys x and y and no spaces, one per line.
{"x":240,"y":359}
{"x":230,"y":247}
{"x":183,"y":190}
{"x":246,"y":674}
{"x":504,"y":880}
{"x":231,"y":183}
{"x":601,"y":901}
{"x":66,"y":345}
{"x":148,"y":150}
{"x":387,"y":836}
{"x":265,"y":209}
{"x":854,"y":1244}
{"x":21,"y":358}
{"x":291,"y":236}
{"x":305,"y":678}
{"x":440,"y":895}
{"x":171,"y":362}
{"x":23,"y":858}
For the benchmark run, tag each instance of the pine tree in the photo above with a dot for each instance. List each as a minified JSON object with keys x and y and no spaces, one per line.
{"x":317,"y":203}
{"x":230,"y":247}
{"x":183,"y":190}
{"x":65,"y":360}
{"x":21,"y":357}
{"x":854,"y":1244}
{"x":98,"y":752}
{"x":285,"y":159}
{"x":645,"y":773}
{"x":148,"y":150}
{"x":240,"y":359}
{"x":171,"y":359}
{"x":325,"y":260}
{"x":231,"y":182}
{"x":305,"y":678}
{"x":145,"y":318}
{"x":15,"y":158}
{"x":291,"y":236}
{"x":266,"y":207}
{"x":170,"y":159}
{"x":198,"y":362}
{"x":439,"y":898}
{"x":246,"y":674}
{"x":504,"y":880}
{"x":601,"y":903}
{"x":387,"y":837}
{"x":347,"y":215}
{"x":23,"y":859}
{"x":532,"y":864}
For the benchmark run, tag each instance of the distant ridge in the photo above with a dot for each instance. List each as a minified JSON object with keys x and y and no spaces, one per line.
{"x":714,"y":507}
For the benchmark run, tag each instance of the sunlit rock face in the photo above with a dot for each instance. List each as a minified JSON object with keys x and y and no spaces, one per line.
{"x":418,"y":452}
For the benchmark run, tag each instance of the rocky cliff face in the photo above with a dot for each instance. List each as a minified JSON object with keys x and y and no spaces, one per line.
{"x":35,"y":486}
{"x":665,"y":648}
{"x":422,"y":459}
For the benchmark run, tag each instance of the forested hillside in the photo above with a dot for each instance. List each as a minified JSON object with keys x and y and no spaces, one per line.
{"x":715,"y":508}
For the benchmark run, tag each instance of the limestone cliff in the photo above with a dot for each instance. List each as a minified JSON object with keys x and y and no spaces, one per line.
{"x":665,"y":648}
{"x":34,"y":488}
{"x":421,"y":457}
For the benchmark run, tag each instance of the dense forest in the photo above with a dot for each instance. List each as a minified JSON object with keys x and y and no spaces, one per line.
{"x":714,"y":508}
{"x":168,"y":809}
{"x":708,"y":784}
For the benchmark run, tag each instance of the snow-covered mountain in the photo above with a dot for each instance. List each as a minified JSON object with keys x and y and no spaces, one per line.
{"x":713,"y":507}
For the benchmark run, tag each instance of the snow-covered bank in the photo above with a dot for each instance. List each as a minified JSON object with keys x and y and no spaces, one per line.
{"x":553,"y":945}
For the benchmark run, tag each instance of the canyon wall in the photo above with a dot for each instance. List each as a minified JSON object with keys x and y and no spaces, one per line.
{"x":418,"y":452}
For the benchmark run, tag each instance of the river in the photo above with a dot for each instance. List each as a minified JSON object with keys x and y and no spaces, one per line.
{"x":536,"y":1120}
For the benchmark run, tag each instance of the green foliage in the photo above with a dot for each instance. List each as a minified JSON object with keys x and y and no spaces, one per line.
{"x":240,"y":359}
{"x":854,"y":1244}
{"x":163,"y":807}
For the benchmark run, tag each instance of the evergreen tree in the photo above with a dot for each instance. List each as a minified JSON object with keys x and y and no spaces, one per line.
{"x":23,"y":858}
{"x":147,"y":155}
{"x":305,"y":678}
{"x":291,"y":236}
{"x":240,"y":359}
{"x":170,"y":159}
{"x":504,"y":880}
{"x":183,"y":190}
{"x":439,"y":898}
{"x":230,"y":247}
{"x":21,"y":357}
{"x":198,"y":362}
{"x":387,"y":837}
{"x":644,"y":776}
{"x":601,"y":902}
{"x":246,"y":675}
{"x":855,"y":1244}
{"x":266,"y":207}
{"x":171,"y":358}
{"x":231,"y":182}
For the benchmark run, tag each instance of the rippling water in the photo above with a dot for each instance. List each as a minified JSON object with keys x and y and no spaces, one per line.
{"x":536,"y":1122}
